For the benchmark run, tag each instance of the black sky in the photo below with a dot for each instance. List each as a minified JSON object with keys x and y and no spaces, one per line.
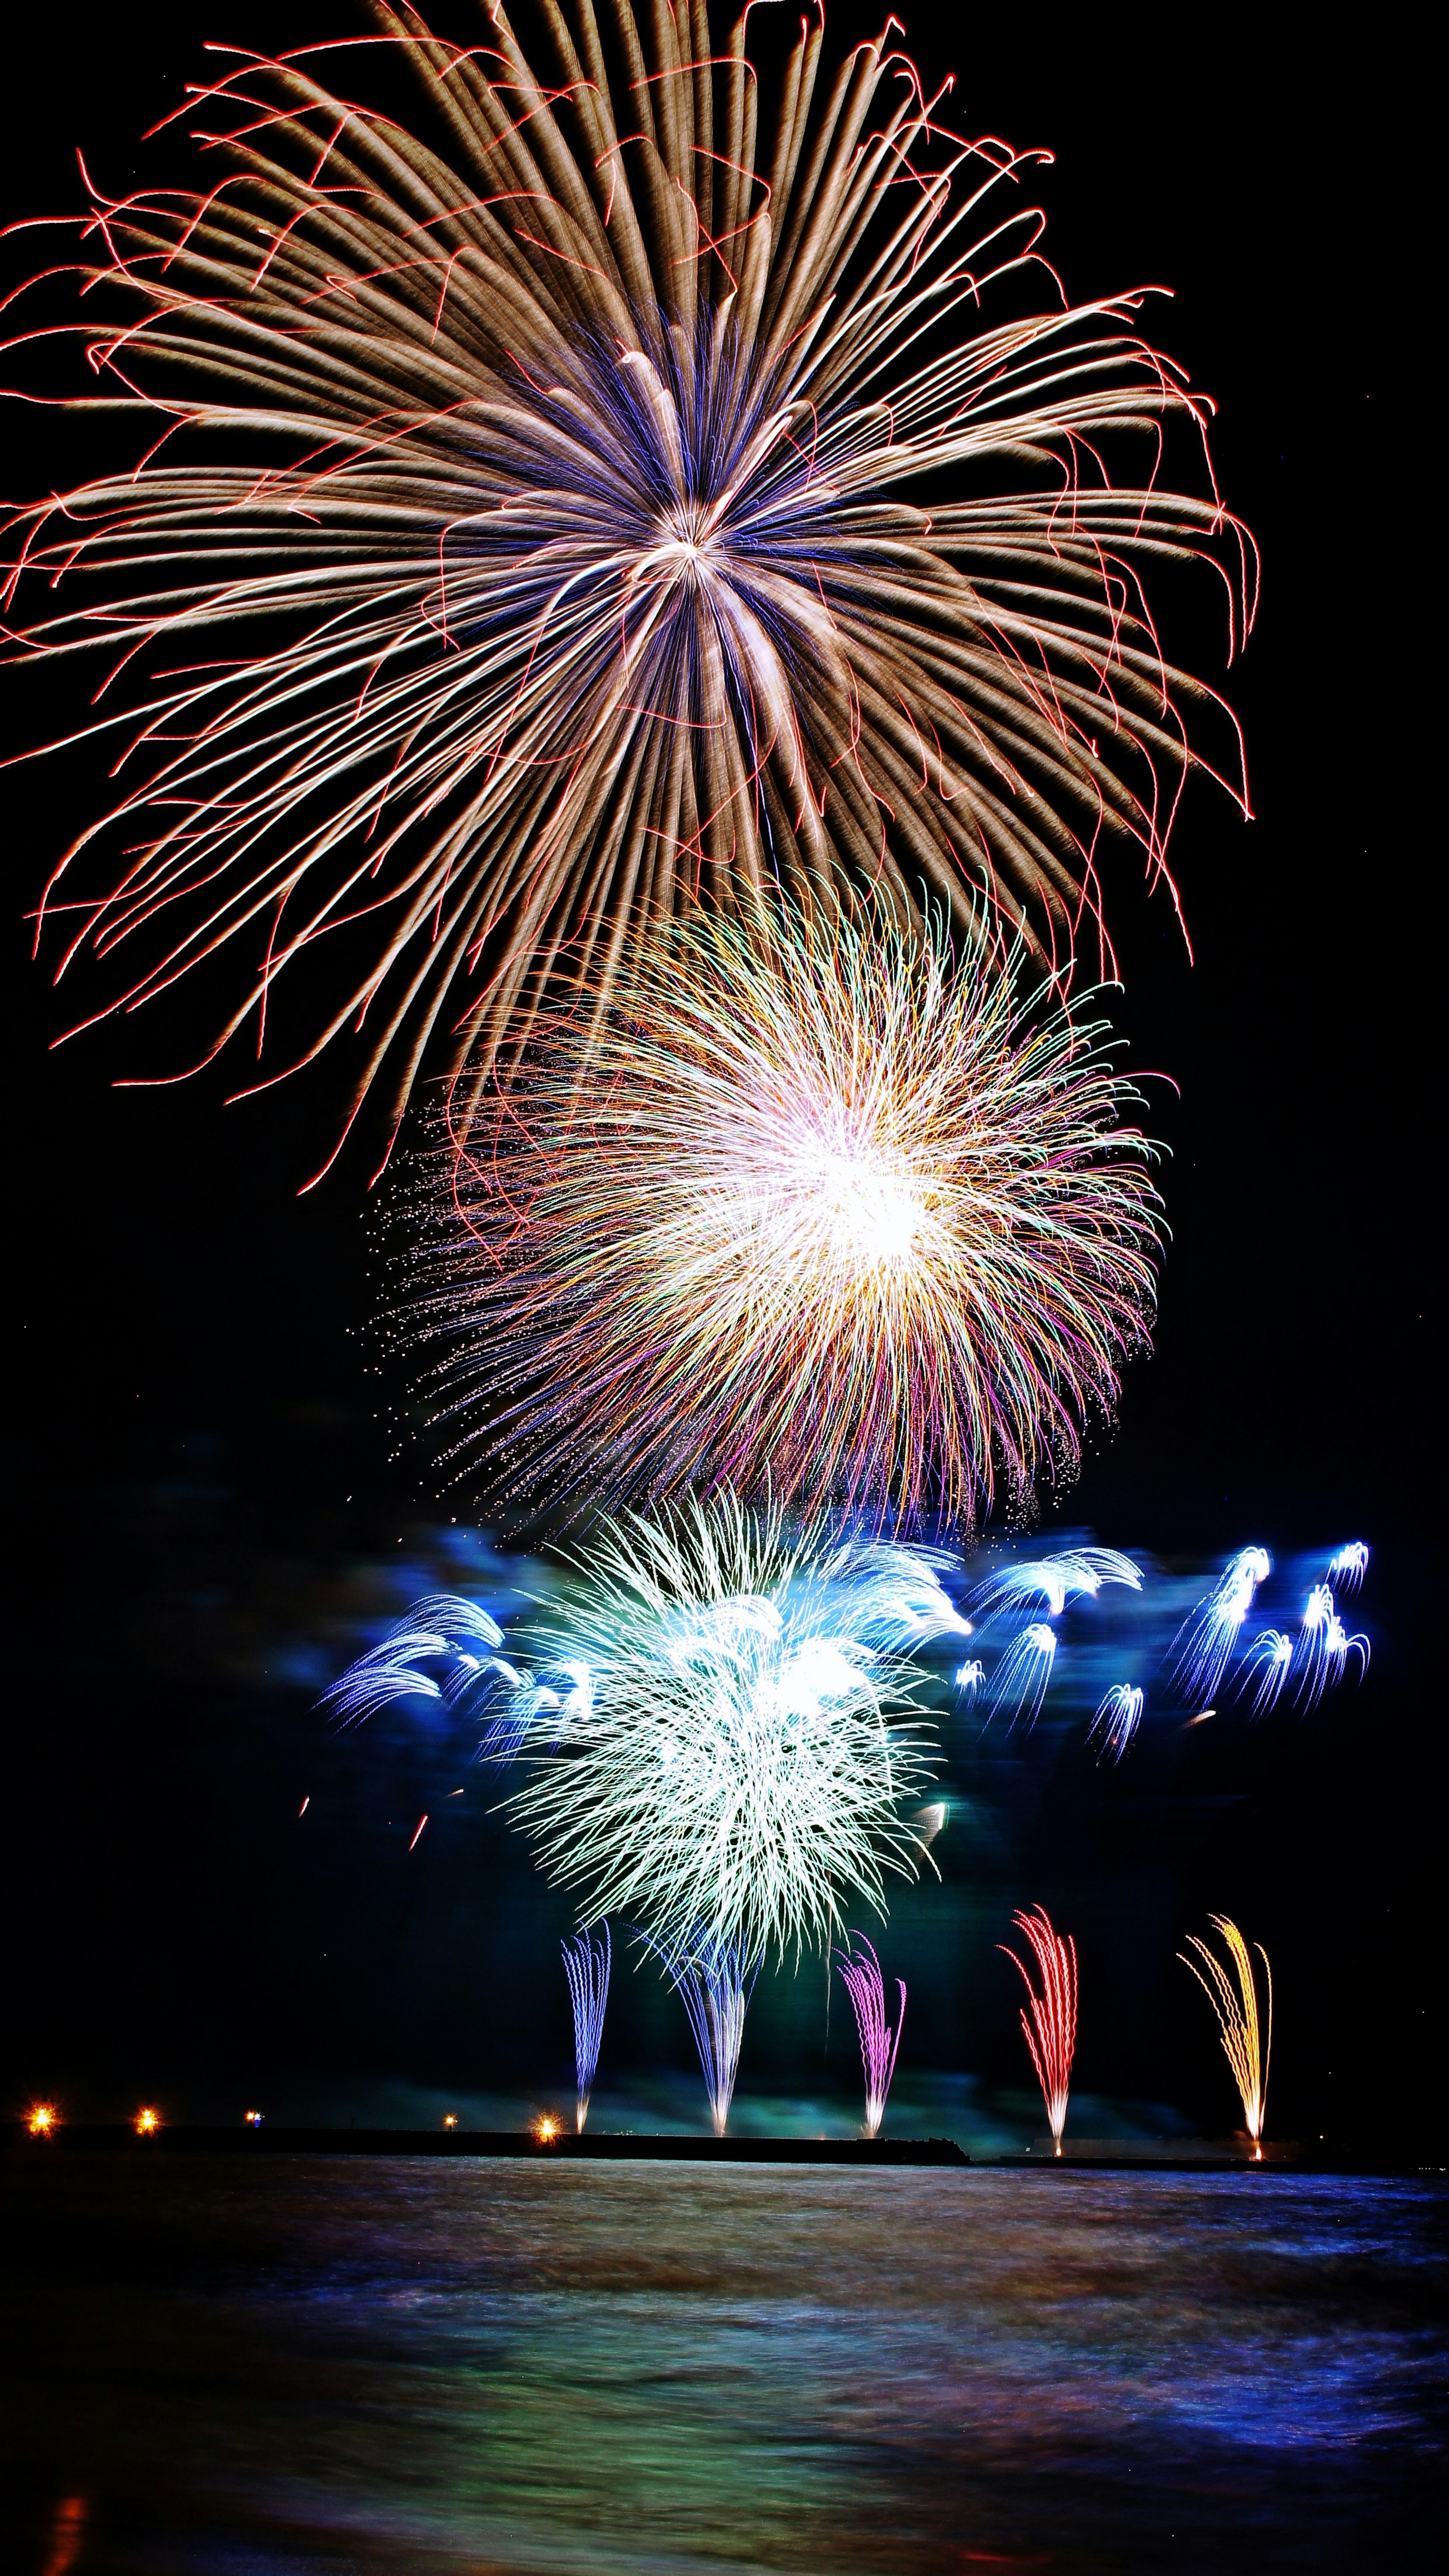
{"x":199,"y":1473}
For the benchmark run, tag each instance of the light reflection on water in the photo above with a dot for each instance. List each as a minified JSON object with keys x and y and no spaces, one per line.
{"x":248,"y":2368}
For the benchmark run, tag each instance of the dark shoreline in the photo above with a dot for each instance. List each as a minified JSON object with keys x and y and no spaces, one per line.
{"x":1086,"y":2157}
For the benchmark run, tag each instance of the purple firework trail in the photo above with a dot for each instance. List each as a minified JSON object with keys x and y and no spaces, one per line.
{"x":586,"y":1966}
{"x":878,"y":2042}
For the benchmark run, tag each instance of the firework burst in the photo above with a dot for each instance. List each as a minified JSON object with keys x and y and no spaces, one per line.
{"x":751,"y":1736}
{"x":836,"y":1217}
{"x":574,"y":470}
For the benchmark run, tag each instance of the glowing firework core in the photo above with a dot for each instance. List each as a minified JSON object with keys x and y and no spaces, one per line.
{"x":861,"y":1201}
{"x":831,"y":1212}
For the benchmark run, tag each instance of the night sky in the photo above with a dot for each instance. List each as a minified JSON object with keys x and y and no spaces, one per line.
{"x":209,"y":1512}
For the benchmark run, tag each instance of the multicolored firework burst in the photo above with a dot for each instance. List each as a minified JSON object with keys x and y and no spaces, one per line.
{"x":1247,"y":2039}
{"x":751,"y":1735}
{"x":1051,"y":2032}
{"x":835,"y":1217}
{"x":627,"y":503}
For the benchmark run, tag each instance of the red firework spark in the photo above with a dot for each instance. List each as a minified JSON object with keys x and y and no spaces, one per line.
{"x":1051,"y":2030}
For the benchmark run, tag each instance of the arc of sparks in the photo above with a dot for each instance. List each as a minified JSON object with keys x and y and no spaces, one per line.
{"x":1246,"y":2035}
{"x":1051,"y":2031}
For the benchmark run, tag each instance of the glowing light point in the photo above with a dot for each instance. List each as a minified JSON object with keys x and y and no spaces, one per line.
{"x":147,"y":2123}
{"x":546,"y":2129}
{"x":450,"y":2119}
{"x":42,"y":2120}
{"x":251,"y":2119}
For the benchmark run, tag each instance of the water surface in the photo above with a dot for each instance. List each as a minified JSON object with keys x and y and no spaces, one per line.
{"x":263,"y":2367}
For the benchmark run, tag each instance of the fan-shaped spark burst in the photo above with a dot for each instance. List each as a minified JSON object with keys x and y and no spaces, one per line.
{"x":1051,"y":2032}
{"x":1267,"y":1659}
{"x":1055,"y":1580}
{"x":751,"y":1739}
{"x":835,"y":1217}
{"x":711,"y":1980}
{"x":1205,"y":1642}
{"x":878,"y":2042}
{"x":618,"y":519}
{"x":586,"y":1966}
{"x":445,"y":1629}
{"x":1247,"y":2041}
{"x":1019,"y":1683}
{"x":1118,"y":1719}
{"x":1324,"y":1647}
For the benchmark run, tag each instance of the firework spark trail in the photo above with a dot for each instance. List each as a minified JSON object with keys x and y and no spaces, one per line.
{"x":563,"y":474}
{"x":1019,"y":1683}
{"x":1051,"y":2032}
{"x":969,"y":1677}
{"x":1348,"y":1565}
{"x":1247,"y":2042}
{"x":1324,"y":1646}
{"x":1268,"y":1657}
{"x":1118,"y":1719}
{"x":709,"y":1976}
{"x":586,"y":1965}
{"x":1054,"y":1580}
{"x":751,"y":1740}
{"x":878,"y":2041}
{"x":839,"y":1217}
{"x":1205,"y":1643}
{"x":442,"y":1628}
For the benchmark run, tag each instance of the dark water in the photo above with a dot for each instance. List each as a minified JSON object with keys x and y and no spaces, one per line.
{"x":295,"y":2365}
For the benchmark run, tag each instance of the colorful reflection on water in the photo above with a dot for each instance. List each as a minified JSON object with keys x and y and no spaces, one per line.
{"x":256,"y":2369}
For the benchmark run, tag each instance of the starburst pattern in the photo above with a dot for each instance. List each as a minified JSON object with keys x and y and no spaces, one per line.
{"x":538,"y":524}
{"x":836,"y":1216}
{"x":752,"y":1736}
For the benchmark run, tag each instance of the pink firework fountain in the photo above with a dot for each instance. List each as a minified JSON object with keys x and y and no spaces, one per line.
{"x":878,"y":2042}
{"x":1051,"y":2030}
